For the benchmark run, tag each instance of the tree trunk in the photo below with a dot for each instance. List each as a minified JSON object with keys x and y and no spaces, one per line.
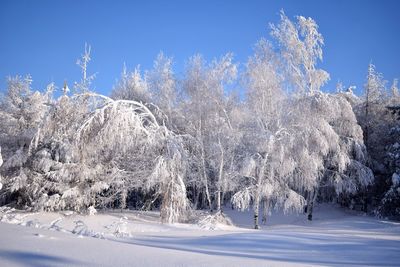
{"x":256,"y":210}
{"x":312,"y":197}
{"x":306,"y":207}
{"x":310,"y":204}
{"x":203,"y":163}
{"x":257,"y":197}
{"x":196,"y":196}
{"x":218,"y":201}
{"x":220,"y":176}
{"x":366,"y":132}
{"x":265,"y":211}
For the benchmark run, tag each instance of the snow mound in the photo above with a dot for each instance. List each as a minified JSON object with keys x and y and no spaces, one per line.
{"x":119,"y":228}
{"x":31,"y":223}
{"x":217,"y":221}
{"x":81,"y":229}
{"x":7,"y":215}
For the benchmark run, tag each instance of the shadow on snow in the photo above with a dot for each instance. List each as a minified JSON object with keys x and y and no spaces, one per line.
{"x":32,"y":259}
{"x":327,"y":249}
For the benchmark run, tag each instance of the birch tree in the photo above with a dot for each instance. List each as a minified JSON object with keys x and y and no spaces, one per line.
{"x":374,"y":92}
{"x":132,"y":86}
{"x":266,"y":165}
{"x":301,"y":48}
{"x":206,"y":112}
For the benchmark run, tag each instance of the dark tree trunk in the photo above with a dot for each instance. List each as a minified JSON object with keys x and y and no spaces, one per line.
{"x":312,"y":197}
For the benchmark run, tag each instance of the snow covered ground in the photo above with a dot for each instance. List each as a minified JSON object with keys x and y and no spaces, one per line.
{"x":334,"y":238}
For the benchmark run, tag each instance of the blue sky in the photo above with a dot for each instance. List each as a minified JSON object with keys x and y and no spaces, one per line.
{"x":45,"y":38}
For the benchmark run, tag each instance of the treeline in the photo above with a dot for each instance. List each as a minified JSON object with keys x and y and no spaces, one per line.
{"x":190,"y":142}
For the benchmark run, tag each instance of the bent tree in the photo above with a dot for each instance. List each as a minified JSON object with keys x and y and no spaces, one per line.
{"x":125,"y":136}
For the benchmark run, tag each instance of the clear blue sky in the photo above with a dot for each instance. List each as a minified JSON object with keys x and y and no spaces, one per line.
{"x":44,"y":38}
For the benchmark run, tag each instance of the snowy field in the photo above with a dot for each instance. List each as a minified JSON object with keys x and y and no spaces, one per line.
{"x":334,"y":238}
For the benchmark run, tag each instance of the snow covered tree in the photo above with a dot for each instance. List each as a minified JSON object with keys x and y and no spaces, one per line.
{"x":91,"y":150}
{"x":347,"y":172}
{"x":131,"y":86}
{"x":207,"y":116}
{"x":46,"y":173}
{"x":395,"y":94}
{"x":376,"y":121}
{"x":162,"y":85}
{"x":21,"y":113}
{"x":264,"y":82}
{"x":84,"y":85}
{"x":324,"y":135}
{"x":296,"y":144}
{"x":50,"y":161}
{"x":266,"y":165}
{"x":390,"y":199}
{"x":137,"y":152}
{"x":301,"y":48}
{"x":327,"y":136}
{"x":374,"y":93}
{"x":394,"y":88}
{"x":265,"y":176}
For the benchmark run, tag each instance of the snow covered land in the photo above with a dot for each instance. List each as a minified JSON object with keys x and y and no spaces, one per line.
{"x":334,"y":238}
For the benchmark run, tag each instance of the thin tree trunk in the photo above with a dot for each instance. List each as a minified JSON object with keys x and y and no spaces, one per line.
{"x":307,"y":196}
{"x":220,"y":176}
{"x":196,"y":196}
{"x":310,"y":203}
{"x":367,"y":119}
{"x":203,"y":163}
{"x":256,"y":210}
{"x":257,"y":197}
{"x":205,"y":180}
{"x":265,"y":210}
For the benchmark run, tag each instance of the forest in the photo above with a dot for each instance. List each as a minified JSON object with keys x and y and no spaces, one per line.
{"x":178,"y":143}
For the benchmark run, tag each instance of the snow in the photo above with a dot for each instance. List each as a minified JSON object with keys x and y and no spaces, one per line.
{"x":132,"y":238}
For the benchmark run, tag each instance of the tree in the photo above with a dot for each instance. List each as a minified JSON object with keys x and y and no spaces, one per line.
{"x":131,"y":86}
{"x":96,"y":158}
{"x":84,"y":85}
{"x":125,"y":137}
{"x":390,"y":199}
{"x":329,"y":151}
{"x":264,"y":82}
{"x":206,"y":110}
{"x":266,"y":164}
{"x":301,"y":48}
{"x":266,"y":176}
{"x":162,"y":84}
{"x":395,"y":96}
{"x":21,"y":113}
{"x":374,"y":92}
